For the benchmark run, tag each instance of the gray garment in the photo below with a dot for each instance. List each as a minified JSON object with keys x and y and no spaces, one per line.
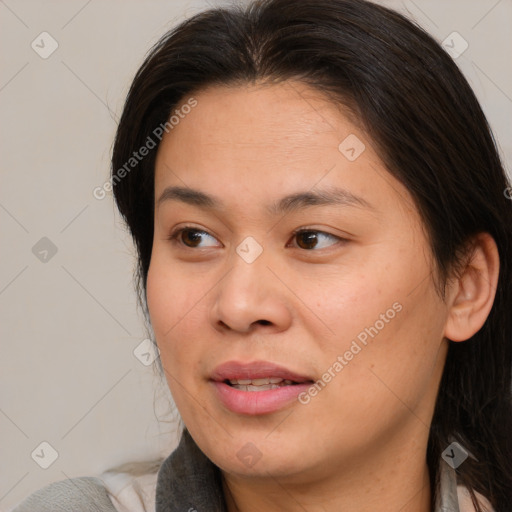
{"x":83,"y":494}
{"x":187,"y":481}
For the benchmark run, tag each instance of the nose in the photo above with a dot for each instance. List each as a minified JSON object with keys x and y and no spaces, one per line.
{"x":250,"y":297}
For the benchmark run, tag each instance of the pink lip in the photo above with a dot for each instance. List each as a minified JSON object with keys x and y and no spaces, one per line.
{"x":255,"y":370}
{"x":256,"y":402}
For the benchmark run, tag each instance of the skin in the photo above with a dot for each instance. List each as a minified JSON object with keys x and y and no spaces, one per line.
{"x":360,"y":443}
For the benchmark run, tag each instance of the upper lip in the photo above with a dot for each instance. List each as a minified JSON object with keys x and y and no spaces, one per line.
{"x":231,"y":370}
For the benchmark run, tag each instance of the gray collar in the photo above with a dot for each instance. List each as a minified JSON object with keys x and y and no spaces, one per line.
{"x":188,"y":481}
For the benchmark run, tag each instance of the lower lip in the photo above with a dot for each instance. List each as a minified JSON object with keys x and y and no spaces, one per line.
{"x":258,"y":402}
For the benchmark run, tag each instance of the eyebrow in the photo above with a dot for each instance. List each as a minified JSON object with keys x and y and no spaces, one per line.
{"x":292,"y":202}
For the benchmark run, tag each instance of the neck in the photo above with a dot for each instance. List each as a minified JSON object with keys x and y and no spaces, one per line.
{"x":395,"y":479}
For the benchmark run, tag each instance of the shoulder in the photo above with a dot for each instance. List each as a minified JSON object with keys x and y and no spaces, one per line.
{"x":82,"y":494}
{"x":466,"y":504}
{"x":131,"y":493}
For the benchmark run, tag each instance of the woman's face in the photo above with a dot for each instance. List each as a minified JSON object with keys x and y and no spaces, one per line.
{"x":348,"y":303}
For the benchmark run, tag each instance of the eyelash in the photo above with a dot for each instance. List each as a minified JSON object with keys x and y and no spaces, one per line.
{"x":175,"y":236}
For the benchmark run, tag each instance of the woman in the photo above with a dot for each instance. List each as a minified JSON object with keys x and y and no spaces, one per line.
{"x":324,"y":239}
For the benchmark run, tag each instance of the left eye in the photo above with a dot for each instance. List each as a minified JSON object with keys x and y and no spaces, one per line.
{"x":192,"y":237}
{"x":313,"y":239}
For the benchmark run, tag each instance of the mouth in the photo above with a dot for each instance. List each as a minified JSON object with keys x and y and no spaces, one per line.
{"x":259,"y":387}
{"x":257,"y":374}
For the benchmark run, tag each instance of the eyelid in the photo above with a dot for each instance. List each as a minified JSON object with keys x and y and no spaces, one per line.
{"x":315,"y":230}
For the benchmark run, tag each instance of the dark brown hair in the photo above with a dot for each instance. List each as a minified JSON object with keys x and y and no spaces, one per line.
{"x":430,"y":132}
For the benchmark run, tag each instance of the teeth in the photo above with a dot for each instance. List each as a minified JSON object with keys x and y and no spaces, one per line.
{"x":264,"y":387}
{"x":259,"y":384}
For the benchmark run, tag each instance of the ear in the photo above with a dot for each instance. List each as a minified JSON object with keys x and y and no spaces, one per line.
{"x":472,"y":293}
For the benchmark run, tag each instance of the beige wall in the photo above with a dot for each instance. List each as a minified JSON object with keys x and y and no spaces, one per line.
{"x":69,"y":326}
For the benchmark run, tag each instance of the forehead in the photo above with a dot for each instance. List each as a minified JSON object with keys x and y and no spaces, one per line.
{"x":264,"y":115}
{"x":268,"y":139}
{"x":257,"y":122}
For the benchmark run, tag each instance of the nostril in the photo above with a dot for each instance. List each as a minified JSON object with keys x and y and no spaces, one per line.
{"x":264,"y":322}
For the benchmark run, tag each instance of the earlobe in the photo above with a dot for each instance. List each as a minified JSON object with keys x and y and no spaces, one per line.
{"x":474,"y":290}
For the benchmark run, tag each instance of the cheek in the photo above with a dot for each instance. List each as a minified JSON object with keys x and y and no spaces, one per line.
{"x":159,"y":292}
{"x":385,"y":354}
{"x":166,"y":306}
{"x":345,"y":302}
{"x":384,"y":320}
{"x":177,"y":311}
{"x":170,"y":295}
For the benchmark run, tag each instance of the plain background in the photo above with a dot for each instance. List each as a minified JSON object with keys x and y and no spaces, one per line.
{"x":69,"y":325}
